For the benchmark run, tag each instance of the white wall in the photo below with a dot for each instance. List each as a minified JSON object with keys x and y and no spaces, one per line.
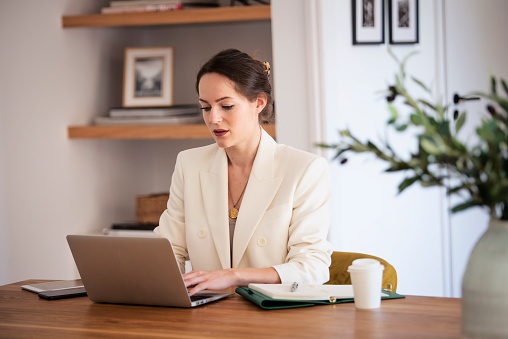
{"x":290,"y":76}
{"x":50,"y":78}
{"x":369,"y":216}
{"x":460,"y":42}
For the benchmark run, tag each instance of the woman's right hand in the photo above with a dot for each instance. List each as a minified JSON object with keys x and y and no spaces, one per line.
{"x":210,"y":280}
{"x":222,"y":279}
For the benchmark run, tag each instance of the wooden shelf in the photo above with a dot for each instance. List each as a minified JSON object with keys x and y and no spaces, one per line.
{"x":185,"y":16}
{"x":147,"y":132}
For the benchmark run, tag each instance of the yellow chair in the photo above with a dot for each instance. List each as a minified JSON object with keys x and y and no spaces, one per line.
{"x":341,"y":261}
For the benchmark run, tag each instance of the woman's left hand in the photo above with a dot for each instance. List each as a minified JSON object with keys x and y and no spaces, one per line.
{"x":210,"y":280}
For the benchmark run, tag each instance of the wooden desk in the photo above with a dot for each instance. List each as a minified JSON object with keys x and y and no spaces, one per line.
{"x":23,"y":314}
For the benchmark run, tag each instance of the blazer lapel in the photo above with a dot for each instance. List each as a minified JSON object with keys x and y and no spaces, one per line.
{"x":214,"y":188}
{"x":258,"y":196}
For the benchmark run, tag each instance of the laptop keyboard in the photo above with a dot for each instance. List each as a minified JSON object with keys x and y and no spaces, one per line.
{"x":200,"y":297}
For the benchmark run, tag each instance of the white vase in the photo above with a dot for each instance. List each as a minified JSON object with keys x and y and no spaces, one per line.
{"x":485,"y":285}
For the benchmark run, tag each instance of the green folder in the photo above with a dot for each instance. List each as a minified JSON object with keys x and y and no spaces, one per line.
{"x":268,"y":303}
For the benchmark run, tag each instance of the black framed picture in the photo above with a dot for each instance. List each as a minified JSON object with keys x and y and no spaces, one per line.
{"x":403,"y":21}
{"x":368,"y":22}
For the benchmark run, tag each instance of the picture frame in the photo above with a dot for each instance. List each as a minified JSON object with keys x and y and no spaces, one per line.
{"x":148,"y":77}
{"x":403,"y":22}
{"x":368,"y":22}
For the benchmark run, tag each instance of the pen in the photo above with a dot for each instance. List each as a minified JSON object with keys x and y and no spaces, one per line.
{"x":294,"y":286}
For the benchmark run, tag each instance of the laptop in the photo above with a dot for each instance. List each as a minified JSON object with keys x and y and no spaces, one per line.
{"x":137,"y":271}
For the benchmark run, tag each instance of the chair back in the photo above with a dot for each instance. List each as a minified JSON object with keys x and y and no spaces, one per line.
{"x":342,"y":260}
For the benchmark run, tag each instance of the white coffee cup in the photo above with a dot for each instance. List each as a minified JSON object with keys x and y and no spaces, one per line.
{"x":367,"y":279}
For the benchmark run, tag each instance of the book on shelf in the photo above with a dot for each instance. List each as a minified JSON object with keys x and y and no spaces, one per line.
{"x":129,"y":233}
{"x":131,"y":112}
{"x":142,"y":8}
{"x":175,"y":120}
{"x":131,"y":230}
{"x":134,"y":226}
{"x":200,"y":3}
{"x":184,"y":3}
{"x":129,"y":3}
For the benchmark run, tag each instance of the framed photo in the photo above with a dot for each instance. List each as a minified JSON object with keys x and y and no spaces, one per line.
{"x":368,"y":22}
{"x":403,"y":21}
{"x":148,"y":77}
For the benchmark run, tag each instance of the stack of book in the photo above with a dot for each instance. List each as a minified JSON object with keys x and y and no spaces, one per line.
{"x":140,"y":6}
{"x":131,"y":230}
{"x":171,"y":115}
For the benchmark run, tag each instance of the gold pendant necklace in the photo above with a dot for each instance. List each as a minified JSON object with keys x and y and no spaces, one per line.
{"x":233,"y":212}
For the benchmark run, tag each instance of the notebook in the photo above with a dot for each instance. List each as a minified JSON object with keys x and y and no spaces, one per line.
{"x":137,"y":271}
{"x":306,"y":291}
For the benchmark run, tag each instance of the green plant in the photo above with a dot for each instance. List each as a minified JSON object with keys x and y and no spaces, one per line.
{"x":478,"y":172}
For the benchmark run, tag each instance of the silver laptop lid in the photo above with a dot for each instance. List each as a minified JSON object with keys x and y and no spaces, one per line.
{"x":126,"y":270}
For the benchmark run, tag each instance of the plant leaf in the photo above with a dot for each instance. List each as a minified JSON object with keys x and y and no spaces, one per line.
{"x":406,"y":58}
{"x":401,"y":128}
{"x":455,"y":189}
{"x":443,"y":128}
{"x":340,"y":152}
{"x":422,"y":85}
{"x":393,"y":55}
{"x":460,"y":122}
{"x":493,"y":85}
{"x":429,"y":146}
{"x":407,"y":182}
{"x":416,"y":119}
{"x":394,"y":114}
{"x":465,"y":205}
{"x":505,"y":86}
{"x":326,"y":145}
{"x":428,"y":104}
{"x":398,"y":166}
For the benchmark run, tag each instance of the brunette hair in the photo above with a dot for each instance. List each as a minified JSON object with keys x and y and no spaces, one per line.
{"x":250,"y":76}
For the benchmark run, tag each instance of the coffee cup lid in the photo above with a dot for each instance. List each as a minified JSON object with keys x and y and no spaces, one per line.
{"x":365,"y":265}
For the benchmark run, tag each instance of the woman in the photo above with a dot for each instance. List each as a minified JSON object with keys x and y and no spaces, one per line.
{"x":275,"y":199}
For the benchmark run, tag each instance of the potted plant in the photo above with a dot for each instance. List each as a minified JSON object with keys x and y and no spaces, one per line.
{"x":478,"y":172}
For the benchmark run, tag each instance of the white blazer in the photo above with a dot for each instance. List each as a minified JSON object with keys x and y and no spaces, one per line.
{"x":282,"y":223}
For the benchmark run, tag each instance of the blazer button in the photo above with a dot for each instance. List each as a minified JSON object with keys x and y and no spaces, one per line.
{"x":261,"y":242}
{"x":202,"y":233}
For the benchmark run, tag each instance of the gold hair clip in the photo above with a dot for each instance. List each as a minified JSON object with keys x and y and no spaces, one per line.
{"x":267,"y":67}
